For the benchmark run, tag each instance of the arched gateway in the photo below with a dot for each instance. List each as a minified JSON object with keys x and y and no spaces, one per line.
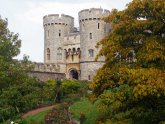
{"x":73,"y":74}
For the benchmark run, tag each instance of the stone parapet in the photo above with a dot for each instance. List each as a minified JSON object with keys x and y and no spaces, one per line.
{"x":92,"y":14}
{"x":56,"y":19}
{"x":45,"y":76}
{"x":43,"y":67}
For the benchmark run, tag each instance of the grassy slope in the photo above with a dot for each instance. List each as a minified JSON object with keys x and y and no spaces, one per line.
{"x":87,"y":108}
{"x":37,"y":118}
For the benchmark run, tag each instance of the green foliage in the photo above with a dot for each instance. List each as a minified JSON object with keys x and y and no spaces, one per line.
{"x":69,"y":86}
{"x":19,"y":99}
{"x":12,"y":72}
{"x":18,"y":92}
{"x":131,"y":85}
{"x":9,"y":42}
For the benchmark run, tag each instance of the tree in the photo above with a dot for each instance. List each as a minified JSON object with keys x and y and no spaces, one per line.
{"x":19,"y":93}
{"x":131,"y":84}
{"x":13,"y":73}
{"x":9,"y":42}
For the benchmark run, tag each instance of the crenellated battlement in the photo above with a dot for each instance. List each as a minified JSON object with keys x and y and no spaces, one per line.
{"x":57,"y":19}
{"x":92,"y":14}
{"x":44,"y":67}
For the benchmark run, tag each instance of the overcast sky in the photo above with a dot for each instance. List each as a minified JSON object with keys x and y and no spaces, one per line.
{"x":26,"y":17}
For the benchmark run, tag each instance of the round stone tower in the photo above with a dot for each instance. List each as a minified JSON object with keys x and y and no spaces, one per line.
{"x":56,"y":27}
{"x":92,"y":30}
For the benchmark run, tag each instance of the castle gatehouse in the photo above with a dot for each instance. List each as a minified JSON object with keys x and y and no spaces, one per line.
{"x":72,"y":50}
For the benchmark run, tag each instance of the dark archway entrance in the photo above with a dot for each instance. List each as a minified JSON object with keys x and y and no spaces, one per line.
{"x":73,"y":74}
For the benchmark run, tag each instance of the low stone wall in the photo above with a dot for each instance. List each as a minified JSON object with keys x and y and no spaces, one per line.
{"x":44,"y":76}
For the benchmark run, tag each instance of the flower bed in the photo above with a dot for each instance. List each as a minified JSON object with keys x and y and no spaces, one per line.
{"x":59,"y":115}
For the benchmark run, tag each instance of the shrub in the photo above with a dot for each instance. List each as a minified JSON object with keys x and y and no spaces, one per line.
{"x":70,"y":86}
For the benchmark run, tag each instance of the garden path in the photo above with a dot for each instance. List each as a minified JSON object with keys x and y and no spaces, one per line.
{"x":35,"y":111}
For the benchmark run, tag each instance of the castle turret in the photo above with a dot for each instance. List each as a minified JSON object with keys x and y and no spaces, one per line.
{"x":56,"y":27}
{"x":92,"y":30}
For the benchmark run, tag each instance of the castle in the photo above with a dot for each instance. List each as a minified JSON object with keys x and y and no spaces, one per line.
{"x":71,"y":50}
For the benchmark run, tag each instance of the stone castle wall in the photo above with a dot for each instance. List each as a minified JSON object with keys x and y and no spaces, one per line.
{"x":55,"y":28}
{"x":77,"y":48}
{"x":45,"y":76}
{"x":92,"y":30}
{"x":90,"y":69}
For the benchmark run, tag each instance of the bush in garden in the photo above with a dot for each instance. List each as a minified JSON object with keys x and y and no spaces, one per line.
{"x":24,"y":97}
{"x":69,"y":86}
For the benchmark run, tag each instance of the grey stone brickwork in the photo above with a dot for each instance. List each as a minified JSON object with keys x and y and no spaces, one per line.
{"x":71,"y":51}
{"x":92,"y":30}
{"x":45,"y":76}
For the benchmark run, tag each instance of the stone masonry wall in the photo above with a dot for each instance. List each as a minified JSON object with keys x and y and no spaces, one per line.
{"x":44,"y":76}
{"x":77,"y":47}
{"x":92,"y":30}
{"x":88,"y":70}
{"x":55,"y":28}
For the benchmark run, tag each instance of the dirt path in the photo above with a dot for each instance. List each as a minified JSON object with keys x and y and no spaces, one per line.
{"x":32,"y":112}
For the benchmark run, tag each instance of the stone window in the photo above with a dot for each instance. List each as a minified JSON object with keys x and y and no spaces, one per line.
{"x":69,"y":51}
{"x":90,"y":35}
{"x":48,"y":54}
{"x":59,"y":33}
{"x":74,"y":50}
{"x":91,"y":52}
{"x":59,"y":53}
{"x":78,"y":52}
{"x":89,"y":77}
{"x":83,"y":27}
{"x":98,"y":26}
{"x":48,"y":33}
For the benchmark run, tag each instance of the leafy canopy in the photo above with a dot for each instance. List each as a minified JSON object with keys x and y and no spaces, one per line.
{"x":134,"y":70}
{"x":13,"y":76}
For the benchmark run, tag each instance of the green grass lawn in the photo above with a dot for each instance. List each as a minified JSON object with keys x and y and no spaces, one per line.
{"x":39,"y":117}
{"x":35,"y":119}
{"x":89,"y":109}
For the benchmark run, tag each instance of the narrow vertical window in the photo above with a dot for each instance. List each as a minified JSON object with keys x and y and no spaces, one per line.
{"x":48,"y":33}
{"x":98,"y":26}
{"x":91,"y":52}
{"x":89,"y":77}
{"x":48,"y":54}
{"x":74,"y":50}
{"x":90,"y":35}
{"x":59,"y":33}
{"x":59,"y":54}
